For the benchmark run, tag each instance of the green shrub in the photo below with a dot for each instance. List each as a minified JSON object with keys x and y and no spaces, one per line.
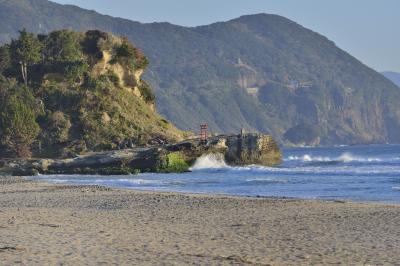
{"x":141,"y":61}
{"x":174,"y":163}
{"x":5,"y":58}
{"x":26,"y":51}
{"x":75,"y":71}
{"x":63,"y":45}
{"x":126,"y":54}
{"x":19,"y":126}
{"x":58,"y":125}
{"x":56,"y":97}
{"x":91,"y":42}
{"x":125,"y":49}
{"x":146,"y":92}
{"x":113,"y":77}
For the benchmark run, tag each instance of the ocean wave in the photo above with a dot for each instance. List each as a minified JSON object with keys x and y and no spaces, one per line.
{"x":136,"y":181}
{"x":209,"y":161}
{"x":266,"y":181}
{"x":313,"y":170}
{"x":343,"y":158}
{"x":60,"y":181}
{"x":116,"y":182}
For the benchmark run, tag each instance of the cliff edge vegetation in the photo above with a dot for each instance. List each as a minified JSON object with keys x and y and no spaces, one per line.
{"x":69,"y":92}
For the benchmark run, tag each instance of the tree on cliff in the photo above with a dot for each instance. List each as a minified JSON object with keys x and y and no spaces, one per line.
{"x":62,"y":45}
{"x":18,"y":126}
{"x":26,"y":51}
{"x":5,"y":58}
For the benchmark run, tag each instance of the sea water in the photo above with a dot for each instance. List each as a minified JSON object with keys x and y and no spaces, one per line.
{"x":357,"y":173}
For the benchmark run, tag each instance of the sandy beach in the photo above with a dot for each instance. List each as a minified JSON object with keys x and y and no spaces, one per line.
{"x":49,"y":224}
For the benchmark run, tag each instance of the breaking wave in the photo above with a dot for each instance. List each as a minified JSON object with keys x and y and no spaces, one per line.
{"x":343,"y":158}
{"x":261,"y":181}
{"x":106,"y":180}
{"x":210,"y":161}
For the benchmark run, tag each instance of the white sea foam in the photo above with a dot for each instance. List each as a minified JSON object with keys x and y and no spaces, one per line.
{"x":60,"y":180}
{"x":121,"y":181}
{"x":266,"y":180}
{"x":209,"y":161}
{"x":139,"y":181}
{"x":345,"y":157}
{"x":309,"y":158}
{"x":348,"y":157}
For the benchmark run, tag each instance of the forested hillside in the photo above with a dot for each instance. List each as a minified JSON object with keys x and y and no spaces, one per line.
{"x":260,"y":72}
{"x":67,"y":93}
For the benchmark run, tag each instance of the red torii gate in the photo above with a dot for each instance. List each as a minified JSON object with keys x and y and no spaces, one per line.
{"x":203,"y":132}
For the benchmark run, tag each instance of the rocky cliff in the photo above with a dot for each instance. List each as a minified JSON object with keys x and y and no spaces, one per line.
{"x":82,"y":92}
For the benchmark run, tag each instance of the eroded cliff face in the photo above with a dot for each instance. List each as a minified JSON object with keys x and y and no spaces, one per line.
{"x":127,"y":78}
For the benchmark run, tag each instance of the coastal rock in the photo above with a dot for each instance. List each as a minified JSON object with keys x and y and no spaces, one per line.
{"x":252,"y":149}
{"x":243,"y":149}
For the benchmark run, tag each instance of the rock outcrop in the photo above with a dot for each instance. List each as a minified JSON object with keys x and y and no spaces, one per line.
{"x":241,"y":149}
{"x":252,"y":149}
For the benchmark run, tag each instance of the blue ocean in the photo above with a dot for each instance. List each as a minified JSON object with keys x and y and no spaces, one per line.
{"x":355,"y":173}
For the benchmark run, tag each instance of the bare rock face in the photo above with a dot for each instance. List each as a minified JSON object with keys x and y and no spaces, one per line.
{"x":252,"y":149}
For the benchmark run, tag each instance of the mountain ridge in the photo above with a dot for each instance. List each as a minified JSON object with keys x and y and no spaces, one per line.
{"x":260,"y":72}
{"x":393,"y":76}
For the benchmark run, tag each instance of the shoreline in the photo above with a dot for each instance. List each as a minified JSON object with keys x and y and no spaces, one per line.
{"x":44,"y":223}
{"x":339,"y":200}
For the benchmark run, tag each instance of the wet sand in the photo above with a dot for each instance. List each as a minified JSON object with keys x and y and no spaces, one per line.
{"x":48,"y":224}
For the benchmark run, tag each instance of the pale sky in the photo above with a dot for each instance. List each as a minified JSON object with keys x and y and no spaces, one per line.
{"x":367,"y":29}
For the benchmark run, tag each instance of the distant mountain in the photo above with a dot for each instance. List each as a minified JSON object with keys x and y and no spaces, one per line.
{"x":259,"y":72}
{"x":393,"y":76}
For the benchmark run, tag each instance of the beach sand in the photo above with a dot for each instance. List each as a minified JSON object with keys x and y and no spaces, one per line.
{"x":49,"y":224}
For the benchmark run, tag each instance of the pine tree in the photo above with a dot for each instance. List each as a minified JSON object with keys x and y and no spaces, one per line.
{"x":26,"y":51}
{"x":5,"y":58}
{"x":18,"y":126}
